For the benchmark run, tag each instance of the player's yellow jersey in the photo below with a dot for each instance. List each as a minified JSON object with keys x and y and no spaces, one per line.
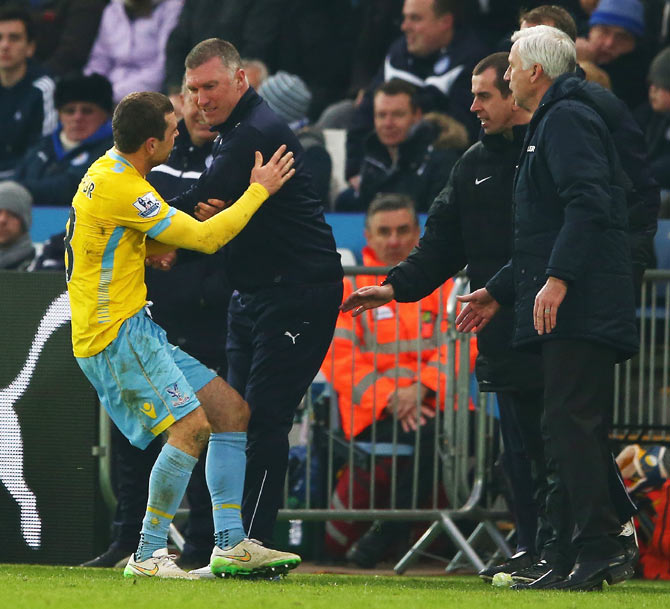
{"x":113,"y":212}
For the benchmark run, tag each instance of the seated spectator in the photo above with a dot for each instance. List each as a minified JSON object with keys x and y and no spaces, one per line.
{"x":256,"y":71}
{"x":289,"y":97}
{"x":436,"y":52}
{"x":26,"y":93}
{"x":402,"y":154}
{"x":130,"y":46}
{"x":372,"y":381}
{"x":654,"y":118}
{"x":52,"y":170}
{"x":252,"y":26}
{"x":616,"y":44}
{"x":66,"y":30}
{"x":16,"y":248}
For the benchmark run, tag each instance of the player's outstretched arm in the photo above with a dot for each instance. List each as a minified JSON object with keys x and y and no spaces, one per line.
{"x":209,"y":236}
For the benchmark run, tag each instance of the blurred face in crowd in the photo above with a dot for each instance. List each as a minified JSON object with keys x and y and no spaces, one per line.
{"x":588,"y":6}
{"x":494,"y":111}
{"x":609,"y":42}
{"x":659,"y":99}
{"x":81,"y":120}
{"x":394,"y":117}
{"x":519,"y":79}
{"x":392,"y":235}
{"x":424,"y":31}
{"x":195,"y":122}
{"x":11,"y":228}
{"x":15,"y":49}
{"x":216,"y":89}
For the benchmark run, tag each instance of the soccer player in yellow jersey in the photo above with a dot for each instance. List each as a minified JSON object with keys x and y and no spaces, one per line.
{"x":147,"y":385}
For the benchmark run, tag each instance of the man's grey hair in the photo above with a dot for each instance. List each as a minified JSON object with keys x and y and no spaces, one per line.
{"x":553,"y":49}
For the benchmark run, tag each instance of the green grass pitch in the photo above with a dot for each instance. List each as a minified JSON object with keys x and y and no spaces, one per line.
{"x":37,"y":587}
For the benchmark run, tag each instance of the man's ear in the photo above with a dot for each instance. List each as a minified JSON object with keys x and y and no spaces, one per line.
{"x":537,"y":72}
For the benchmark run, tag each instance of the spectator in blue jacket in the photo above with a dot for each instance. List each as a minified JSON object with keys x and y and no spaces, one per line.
{"x":52,"y":169}
{"x":26,"y":92}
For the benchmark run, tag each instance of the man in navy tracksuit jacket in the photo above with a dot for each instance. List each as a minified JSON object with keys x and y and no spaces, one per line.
{"x":284,"y":268}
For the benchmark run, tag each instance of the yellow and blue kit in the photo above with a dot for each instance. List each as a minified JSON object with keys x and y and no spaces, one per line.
{"x":144,"y":382}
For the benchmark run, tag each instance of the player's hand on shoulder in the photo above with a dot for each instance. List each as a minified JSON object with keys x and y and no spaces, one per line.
{"x":276,"y":172}
{"x":203,"y":211}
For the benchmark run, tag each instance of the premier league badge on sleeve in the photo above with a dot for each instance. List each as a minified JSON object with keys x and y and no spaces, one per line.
{"x":147,"y":205}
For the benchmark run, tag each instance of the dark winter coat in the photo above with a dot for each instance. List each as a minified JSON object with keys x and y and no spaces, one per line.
{"x":656,"y":129}
{"x":470,"y":223}
{"x":27,"y":114}
{"x":420,"y":171}
{"x":571,"y":222}
{"x":51,"y":174}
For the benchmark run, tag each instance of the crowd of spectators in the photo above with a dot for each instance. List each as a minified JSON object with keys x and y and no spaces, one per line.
{"x":329,"y":66}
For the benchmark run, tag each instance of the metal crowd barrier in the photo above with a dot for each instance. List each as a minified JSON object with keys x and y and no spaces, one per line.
{"x":464,"y":443}
{"x":461,"y":453}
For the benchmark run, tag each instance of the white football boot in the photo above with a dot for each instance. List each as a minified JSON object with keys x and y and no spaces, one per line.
{"x":251,"y":558}
{"x":159,"y":564}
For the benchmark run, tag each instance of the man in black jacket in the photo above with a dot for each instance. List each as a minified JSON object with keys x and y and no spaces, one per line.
{"x":570,"y":282}
{"x":283,"y":266}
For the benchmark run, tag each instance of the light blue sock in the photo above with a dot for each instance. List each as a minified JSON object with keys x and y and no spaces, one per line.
{"x":224,"y":470}
{"x":167,"y":485}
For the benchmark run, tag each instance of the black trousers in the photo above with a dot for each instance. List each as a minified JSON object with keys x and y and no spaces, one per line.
{"x":277,"y":339}
{"x":523,"y":460}
{"x":578,"y":396}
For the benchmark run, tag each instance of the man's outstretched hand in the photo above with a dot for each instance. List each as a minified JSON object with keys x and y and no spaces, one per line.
{"x":368,"y":297}
{"x":479,"y":310}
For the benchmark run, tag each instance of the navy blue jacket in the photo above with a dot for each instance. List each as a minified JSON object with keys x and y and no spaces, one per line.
{"x":27,"y":113}
{"x":571,"y":222}
{"x":51,"y":174}
{"x":288,"y":240}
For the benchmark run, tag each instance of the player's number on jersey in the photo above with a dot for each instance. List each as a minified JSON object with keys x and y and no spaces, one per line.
{"x":68,"y":245}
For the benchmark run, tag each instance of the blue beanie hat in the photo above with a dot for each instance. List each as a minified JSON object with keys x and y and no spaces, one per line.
{"x":628,"y":14}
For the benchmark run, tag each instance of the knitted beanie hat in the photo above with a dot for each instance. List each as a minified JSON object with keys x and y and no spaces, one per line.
{"x":659,"y":70}
{"x":287,"y":95}
{"x":18,"y":200}
{"x":628,"y":14}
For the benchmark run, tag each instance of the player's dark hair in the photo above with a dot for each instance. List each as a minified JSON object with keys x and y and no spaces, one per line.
{"x":499,"y":62}
{"x":396,"y":86}
{"x":557,"y":15}
{"x":15,"y":12}
{"x":138,"y":117}
{"x":390,"y":201}
{"x":213,"y":47}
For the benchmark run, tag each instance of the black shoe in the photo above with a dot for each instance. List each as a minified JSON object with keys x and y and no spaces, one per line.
{"x":531,"y":573}
{"x":590,"y":574}
{"x":628,"y":540}
{"x":110,"y":558}
{"x":193,"y":558}
{"x":372,"y":546}
{"x":545,"y":582}
{"x":521,"y":560}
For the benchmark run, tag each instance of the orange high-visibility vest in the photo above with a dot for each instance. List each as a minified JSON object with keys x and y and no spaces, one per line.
{"x":395,"y":345}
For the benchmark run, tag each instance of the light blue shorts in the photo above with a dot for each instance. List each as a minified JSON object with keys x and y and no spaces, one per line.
{"x":144,"y":382}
